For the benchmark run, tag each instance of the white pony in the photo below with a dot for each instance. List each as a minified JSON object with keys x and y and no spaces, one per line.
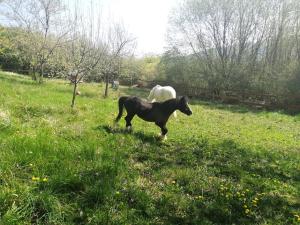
{"x":161,"y":94}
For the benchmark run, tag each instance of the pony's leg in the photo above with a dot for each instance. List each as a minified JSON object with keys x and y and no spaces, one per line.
{"x":164,"y":130}
{"x":128,"y":119}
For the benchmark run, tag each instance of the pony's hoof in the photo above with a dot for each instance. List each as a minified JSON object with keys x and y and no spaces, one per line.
{"x":115,"y":124}
{"x":163,"y":137}
{"x":129,"y":129}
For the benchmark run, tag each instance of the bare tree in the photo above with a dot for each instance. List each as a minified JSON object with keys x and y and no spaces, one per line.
{"x":86,"y":48}
{"x":239,"y":45}
{"x":228,"y":36}
{"x":94,"y":46}
{"x":84,"y":57}
{"x":119,"y":45}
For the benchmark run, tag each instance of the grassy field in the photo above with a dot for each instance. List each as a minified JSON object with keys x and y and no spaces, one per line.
{"x":222,"y":165}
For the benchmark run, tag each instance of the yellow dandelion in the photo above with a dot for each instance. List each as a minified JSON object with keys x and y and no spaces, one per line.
{"x":247,"y":211}
{"x":45,"y":179}
{"x":245,"y":206}
{"x":30,"y":164}
{"x":35,"y":178}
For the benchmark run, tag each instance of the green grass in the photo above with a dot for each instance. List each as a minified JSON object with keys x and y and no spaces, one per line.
{"x":222,"y":165}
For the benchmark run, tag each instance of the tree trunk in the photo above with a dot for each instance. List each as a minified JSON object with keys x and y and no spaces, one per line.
{"x":33,"y":75}
{"x":74,"y":94}
{"x":106,"y":86}
{"x":42,"y":74}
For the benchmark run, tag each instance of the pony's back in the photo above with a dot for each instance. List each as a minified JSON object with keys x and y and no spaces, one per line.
{"x":161,"y":94}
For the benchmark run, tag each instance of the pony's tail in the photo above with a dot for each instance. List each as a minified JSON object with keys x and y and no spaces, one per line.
{"x":121,"y":107}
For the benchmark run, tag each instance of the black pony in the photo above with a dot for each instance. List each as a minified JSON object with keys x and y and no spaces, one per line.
{"x":157,"y":112}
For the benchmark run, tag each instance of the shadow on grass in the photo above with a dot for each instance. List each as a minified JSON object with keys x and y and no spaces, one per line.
{"x":138,"y":134}
{"x":90,"y":188}
{"x":20,"y":80}
{"x":227,"y":157}
{"x":134,"y":91}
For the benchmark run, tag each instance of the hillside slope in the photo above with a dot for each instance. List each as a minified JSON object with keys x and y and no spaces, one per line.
{"x":222,"y":165}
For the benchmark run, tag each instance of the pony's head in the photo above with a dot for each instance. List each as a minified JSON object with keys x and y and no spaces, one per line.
{"x":183,"y":106}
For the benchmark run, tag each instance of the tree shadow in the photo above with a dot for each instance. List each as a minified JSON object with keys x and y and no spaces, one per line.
{"x":89,"y":187}
{"x":240,"y":108}
{"x":229,"y":107}
{"x":135,"y":91}
{"x":15,"y":79}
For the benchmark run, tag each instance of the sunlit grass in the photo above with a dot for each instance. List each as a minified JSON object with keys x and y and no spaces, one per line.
{"x":222,"y":165}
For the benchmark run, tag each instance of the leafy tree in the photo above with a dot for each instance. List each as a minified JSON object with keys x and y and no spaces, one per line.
{"x":11,"y":57}
{"x":43,"y":31}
